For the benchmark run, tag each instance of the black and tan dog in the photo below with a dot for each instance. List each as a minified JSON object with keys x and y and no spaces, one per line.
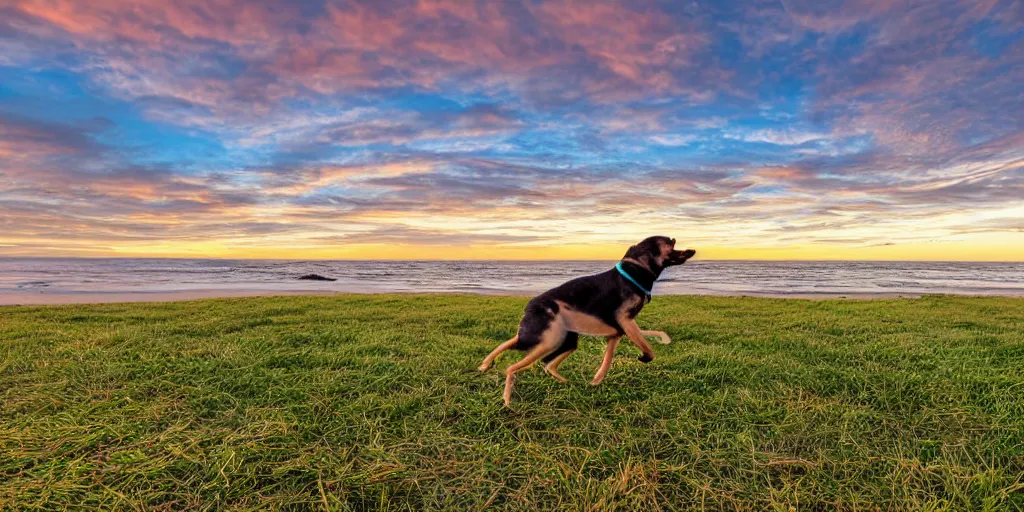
{"x":604,"y":304}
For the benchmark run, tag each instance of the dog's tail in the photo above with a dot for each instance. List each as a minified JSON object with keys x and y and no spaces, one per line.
{"x":496,"y":352}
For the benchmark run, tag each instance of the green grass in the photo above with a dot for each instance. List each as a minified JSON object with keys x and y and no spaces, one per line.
{"x":371,"y":402}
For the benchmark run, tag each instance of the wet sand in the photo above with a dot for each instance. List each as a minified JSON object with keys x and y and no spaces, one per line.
{"x":37,"y":298}
{"x":42,"y":298}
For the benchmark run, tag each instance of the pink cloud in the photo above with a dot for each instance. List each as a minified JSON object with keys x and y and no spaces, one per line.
{"x":636,"y":49}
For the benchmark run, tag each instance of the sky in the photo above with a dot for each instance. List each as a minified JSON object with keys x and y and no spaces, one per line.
{"x":540,"y":129}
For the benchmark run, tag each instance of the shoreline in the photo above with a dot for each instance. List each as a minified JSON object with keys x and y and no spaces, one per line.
{"x":45,"y":298}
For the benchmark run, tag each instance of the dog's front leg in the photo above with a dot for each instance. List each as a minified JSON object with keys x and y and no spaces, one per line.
{"x":637,"y":337}
{"x":665,"y":340}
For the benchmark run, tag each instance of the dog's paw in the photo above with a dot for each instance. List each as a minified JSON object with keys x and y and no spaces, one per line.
{"x":644,"y":358}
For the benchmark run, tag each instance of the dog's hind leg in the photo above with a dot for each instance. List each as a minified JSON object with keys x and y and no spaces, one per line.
{"x":665,"y":340}
{"x":496,"y":352}
{"x":555,"y":358}
{"x":549,"y":342}
{"x":609,"y":354}
{"x":552,"y":367}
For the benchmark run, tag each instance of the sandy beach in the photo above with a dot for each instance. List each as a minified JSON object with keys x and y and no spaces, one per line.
{"x":40,"y":298}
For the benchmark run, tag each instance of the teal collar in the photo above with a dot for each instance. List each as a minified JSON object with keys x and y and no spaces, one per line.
{"x":618,"y":266}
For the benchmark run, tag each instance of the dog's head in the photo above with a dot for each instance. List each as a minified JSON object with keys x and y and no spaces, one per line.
{"x":659,"y":252}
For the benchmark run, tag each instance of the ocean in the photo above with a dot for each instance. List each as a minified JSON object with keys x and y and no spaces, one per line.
{"x":777,"y":278}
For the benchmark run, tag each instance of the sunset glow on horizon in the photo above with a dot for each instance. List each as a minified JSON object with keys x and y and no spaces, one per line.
{"x":450,"y":129}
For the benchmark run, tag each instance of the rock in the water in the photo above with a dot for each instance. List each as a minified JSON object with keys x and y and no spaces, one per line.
{"x":316,"y":277}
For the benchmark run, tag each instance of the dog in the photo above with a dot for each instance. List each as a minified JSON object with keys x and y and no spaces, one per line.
{"x":604,"y":304}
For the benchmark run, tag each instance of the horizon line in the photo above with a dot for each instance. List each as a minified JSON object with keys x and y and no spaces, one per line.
{"x":432,"y":260}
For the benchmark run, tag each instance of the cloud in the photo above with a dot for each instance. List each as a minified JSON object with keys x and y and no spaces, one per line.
{"x":674,"y":139}
{"x":22,"y":138}
{"x":399,"y":234}
{"x":787,"y":137}
{"x":259,"y":54}
{"x":426,"y":121}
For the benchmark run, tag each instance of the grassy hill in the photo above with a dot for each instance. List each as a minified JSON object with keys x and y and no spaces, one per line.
{"x":363,"y":402}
